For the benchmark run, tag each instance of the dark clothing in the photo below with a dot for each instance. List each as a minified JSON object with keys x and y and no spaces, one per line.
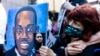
{"x":92,"y":50}
{"x":37,"y":45}
{"x":59,"y":46}
{"x":1,"y":49}
{"x":12,"y":52}
{"x":80,"y":2}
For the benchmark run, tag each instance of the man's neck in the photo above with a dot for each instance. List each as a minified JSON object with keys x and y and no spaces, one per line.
{"x":18,"y":54}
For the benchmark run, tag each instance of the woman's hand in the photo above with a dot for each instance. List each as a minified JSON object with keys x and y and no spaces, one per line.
{"x":45,"y":51}
{"x":76,"y":47}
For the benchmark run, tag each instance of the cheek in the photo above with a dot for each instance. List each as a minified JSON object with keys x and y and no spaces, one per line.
{"x":41,"y":38}
{"x":18,"y":36}
{"x":81,"y":27}
{"x":30,"y":36}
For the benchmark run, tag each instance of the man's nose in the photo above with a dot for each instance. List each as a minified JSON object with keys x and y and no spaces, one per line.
{"x":24,"y":34}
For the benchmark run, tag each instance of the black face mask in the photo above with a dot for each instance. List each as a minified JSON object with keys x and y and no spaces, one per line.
{"x":72,"y":31}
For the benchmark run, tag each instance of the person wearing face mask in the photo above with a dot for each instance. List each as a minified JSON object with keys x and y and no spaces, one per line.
{"x":77,"y":32}
{"x":90,"y":20}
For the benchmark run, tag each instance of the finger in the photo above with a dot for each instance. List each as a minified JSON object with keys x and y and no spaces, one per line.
{"x":74,"y":49}
{"x":44,"y":47}
{"x":73,"y":44}
{"x":42,"y":53}
{"x":43,"y":50}
{"x":73,"y":53}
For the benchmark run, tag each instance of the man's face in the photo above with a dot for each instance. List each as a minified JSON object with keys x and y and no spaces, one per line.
{"x":24,"y":32}
{"x":39,"y":39}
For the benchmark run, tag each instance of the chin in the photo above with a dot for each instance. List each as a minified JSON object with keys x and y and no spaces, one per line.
{"x":24,"y":53}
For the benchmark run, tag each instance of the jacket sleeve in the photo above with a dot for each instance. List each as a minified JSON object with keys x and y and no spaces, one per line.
{"x":58,"y":48}
{"x":94,"y":39}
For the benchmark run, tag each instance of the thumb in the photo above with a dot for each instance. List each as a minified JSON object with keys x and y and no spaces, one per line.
{"x":74,"y":44}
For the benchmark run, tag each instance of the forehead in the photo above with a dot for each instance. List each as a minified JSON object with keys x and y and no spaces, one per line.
{"x":26,"y":15}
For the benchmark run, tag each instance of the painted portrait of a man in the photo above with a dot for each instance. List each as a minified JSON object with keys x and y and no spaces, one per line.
{"x":25,"y":26}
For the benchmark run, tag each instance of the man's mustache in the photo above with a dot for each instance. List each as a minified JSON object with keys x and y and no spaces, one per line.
{"x":24,"y":39}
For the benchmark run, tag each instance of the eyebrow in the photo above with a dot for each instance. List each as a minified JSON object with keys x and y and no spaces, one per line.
{"x":26,"y":26}
{"x":30,"y":25}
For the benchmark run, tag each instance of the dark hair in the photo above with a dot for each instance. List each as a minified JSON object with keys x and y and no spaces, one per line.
{"x":88,"y":16}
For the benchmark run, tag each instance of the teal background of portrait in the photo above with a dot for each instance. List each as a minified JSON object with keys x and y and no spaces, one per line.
{"x":42,"y":16}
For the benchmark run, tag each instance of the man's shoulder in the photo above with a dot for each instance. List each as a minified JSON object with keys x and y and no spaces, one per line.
{"x":11,"y":52}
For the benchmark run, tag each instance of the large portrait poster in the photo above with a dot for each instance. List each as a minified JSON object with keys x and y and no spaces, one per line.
{"x":24,"y":24}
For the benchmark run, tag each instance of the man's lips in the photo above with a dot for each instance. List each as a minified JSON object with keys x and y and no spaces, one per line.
{"x":24,"y":45}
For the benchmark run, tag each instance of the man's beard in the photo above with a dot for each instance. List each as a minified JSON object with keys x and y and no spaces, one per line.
{"x":27,"y":46}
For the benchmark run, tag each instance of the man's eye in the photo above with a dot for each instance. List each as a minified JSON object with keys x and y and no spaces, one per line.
{"x":19,"y":30}
{"x":29,"y":30}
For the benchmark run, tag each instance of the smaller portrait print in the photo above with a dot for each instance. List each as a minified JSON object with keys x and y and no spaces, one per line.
{"x":39,"y":40}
